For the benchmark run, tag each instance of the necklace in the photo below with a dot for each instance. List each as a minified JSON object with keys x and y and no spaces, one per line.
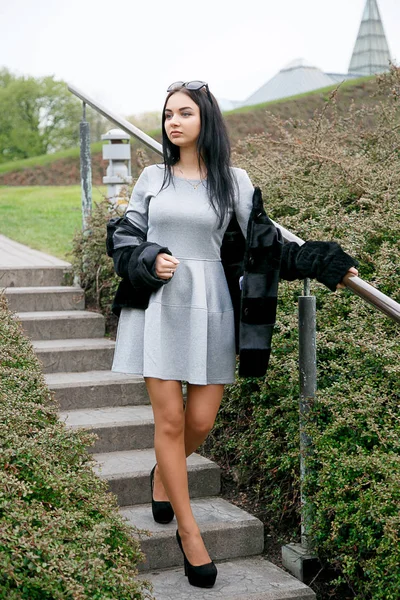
{"x":189,"y":182}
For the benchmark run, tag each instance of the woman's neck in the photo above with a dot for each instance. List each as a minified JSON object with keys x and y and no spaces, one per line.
{"x":188,"y":164}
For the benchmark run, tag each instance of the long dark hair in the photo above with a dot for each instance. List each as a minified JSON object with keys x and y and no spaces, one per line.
{"x":213,"y":147}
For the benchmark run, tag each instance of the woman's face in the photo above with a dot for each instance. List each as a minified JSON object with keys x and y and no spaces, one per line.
{"x":182,"y":115}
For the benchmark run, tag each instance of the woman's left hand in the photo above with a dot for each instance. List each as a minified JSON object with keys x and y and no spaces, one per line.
{"x":353,"y":270}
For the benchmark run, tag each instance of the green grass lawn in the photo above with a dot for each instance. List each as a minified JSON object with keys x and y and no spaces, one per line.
{"x":43,"y":217}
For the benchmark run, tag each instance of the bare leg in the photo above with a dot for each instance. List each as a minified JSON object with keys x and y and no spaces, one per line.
{"x":203,"y":402}
{"x":169,"y":443}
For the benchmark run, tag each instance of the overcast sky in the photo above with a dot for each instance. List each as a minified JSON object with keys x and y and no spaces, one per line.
{"x":125,"y":53}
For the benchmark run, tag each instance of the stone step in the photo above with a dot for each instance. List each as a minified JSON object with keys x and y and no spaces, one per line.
{"x":33,"y":276}
{"x":63,"y":324}
{"x":227,"y":531}
{"x":75,"y":355}
{"x":94,"y":389}
{"x":44,"y":298}
{"x":128,"y":475}
{"x":252,"y":578}
{"x":119,"y":428}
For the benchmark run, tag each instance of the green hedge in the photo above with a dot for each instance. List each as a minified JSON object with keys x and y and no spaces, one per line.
{"x":60,"y":532}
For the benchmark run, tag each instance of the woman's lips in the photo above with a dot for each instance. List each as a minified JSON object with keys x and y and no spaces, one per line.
{"x":176,"y":133}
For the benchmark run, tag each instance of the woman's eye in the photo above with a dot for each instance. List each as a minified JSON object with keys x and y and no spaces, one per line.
{"x":183,"y":114}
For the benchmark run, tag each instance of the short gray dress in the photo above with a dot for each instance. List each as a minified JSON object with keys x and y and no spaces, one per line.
{"x":187,"y":331}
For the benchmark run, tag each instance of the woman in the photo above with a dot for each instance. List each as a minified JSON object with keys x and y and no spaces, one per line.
{"x":181,"y":209}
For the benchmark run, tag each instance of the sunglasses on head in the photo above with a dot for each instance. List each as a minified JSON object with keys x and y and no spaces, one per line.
{"x":190,"y":85}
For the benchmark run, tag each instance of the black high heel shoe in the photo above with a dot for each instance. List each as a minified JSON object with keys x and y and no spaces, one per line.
{"x":162,"y":510}
{"x":201,"y":576}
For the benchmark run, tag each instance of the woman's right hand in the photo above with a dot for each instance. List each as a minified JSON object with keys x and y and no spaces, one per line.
{"x":165,"y":265}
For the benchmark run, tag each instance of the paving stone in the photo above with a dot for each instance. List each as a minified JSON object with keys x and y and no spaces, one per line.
{"x":94,"y":389}
{"x":16,"y":255}
{"x":45,"y":298}
{"x":227,"y":531}
{"x":240,"y":579}
{"x":75,"y":355}
{"x":64,"y":324}
{"x":119,"y":428}
{"x":128,"y":475}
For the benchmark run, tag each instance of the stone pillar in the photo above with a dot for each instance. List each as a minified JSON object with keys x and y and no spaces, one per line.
{"x":118,"y":152}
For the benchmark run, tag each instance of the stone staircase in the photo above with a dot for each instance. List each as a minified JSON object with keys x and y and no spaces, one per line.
{"x":76,"y":360}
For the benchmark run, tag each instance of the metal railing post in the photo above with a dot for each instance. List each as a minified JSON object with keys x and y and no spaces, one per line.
{"x":297,"y":558}
{"x":308,"y":388}
{"x":86,"y":168}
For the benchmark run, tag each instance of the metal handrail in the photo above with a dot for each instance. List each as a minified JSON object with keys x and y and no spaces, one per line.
{"x":358,"y":286}
{"x":120,"y":121}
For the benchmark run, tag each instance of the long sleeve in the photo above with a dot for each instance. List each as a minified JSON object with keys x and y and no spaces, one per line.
{"x":243,"y":199}
{"x":134,"y":257}
{"x":137,"y":213}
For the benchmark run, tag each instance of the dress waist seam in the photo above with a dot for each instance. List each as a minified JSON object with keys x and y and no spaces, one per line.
{"x":190,"y":306}
{"x":199,"y":259}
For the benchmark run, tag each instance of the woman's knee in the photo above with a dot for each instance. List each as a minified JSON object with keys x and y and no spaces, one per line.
{"x":170,"y":423}
{"x":202,"y":407}
{"x":201,"y":425}
{"x":167,"y":403}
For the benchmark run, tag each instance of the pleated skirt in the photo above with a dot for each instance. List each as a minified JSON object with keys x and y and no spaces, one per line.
{"x":186,"y":333}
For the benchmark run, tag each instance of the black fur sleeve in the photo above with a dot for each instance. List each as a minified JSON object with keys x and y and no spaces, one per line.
{"x":324,"y":261}
{"x":136,"y":263}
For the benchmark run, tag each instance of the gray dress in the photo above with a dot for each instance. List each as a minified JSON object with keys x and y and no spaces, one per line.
{"x":187,"y":331}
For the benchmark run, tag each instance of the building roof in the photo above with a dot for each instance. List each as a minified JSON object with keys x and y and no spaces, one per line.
{"x":339,"y":77}
{"x":371,"y":51}
{"x":295,"y":78}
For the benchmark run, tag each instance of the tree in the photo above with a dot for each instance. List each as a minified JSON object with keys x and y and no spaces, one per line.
{"x":39,"y":116}
{"x":5,"y":77}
